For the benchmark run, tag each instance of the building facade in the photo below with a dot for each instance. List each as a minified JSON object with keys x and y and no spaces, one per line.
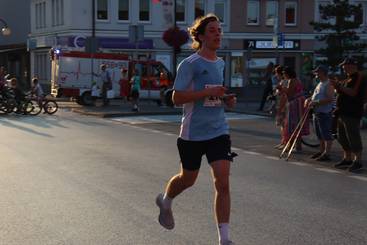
{"x":265,"y":31}
{"x":13,"y":48}
{"x":68,"y":24}
{"x":256,"y":32}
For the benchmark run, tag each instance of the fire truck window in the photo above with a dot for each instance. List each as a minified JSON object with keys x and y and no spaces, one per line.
{"x":144,"y":70}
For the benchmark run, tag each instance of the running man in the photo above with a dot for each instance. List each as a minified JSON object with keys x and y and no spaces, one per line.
{"x":204,"y":130}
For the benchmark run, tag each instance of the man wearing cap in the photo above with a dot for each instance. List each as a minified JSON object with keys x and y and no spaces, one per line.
{"x":322,"y":103}
{"x":349,"y":108}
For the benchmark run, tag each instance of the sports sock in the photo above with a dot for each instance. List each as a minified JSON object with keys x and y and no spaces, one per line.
{"x":223,"y":232}
{"x":167,"y":201}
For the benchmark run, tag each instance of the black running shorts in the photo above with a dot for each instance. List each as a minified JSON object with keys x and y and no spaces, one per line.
{"x":215,"y":149}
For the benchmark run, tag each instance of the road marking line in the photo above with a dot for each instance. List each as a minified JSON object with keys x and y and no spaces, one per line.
{"x":258,"y":154}
{"x":136,"y":119}
{"x":272,"y":158}
{"x":358,"y":177}
{"x":251,"y":153}
{"x":236,"y":149}
{"x":299,"y":164}
{"x":328,"y":170}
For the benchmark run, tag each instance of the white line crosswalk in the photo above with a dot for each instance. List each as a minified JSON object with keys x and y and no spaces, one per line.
{"x":175,"y":118}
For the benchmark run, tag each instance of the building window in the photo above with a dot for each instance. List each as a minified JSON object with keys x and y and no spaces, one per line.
{"x":37,"y":16}
{"x":180,"y":10}
{"x":237,"y":64}
{"x":271,"y":12}
{"x":199,"y":8}
{"x":219,"y":9}
{"x":321,"y":4}
{"x":144,"y":10}
{"x":291,"y":13}
{"x":41,"y":66}
{"x":124,"y":9}
{"x":253,"y":12}
{"x":362,"y":17}
{"x":102,"y":9}
{"x":256,"y":71}
{"x":40,"y":10}
{"x":57,"y":12}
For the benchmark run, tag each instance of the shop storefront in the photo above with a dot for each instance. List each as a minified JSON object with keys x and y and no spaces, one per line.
{"x":259,"y":53}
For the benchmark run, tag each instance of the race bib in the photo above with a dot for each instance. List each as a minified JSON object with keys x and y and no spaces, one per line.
{"x":212,"y":101}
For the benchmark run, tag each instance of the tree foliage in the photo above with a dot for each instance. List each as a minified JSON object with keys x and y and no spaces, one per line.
{"x":175,"y":37}
{"x":337,"y":28}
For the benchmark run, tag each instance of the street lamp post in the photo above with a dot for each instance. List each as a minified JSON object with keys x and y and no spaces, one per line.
{"x":5,"y":30}
{"x":174,"y":48}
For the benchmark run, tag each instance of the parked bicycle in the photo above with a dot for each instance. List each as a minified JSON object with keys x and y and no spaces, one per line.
{"x":270,"y":104}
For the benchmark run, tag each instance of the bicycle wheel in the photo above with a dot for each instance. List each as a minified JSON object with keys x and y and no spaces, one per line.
{"x":311,"y":140}
{"x":27,"y":107}
{"x":36,"y":108}
{"x":50,"y":107}
{"x":7,"y":105}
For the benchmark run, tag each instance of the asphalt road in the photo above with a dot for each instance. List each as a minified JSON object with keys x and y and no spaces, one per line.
{"x":71,"y":179}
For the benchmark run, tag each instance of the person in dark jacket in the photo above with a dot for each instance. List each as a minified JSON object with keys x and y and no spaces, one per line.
{"x":349,"y":108}
{"x":268,"y":85}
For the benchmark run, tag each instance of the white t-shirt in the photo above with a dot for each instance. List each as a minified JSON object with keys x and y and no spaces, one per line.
{"x":38,"y":90}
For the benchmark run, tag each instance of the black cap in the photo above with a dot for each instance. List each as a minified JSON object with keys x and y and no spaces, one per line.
{"x":349,"y":61}
{"x":322,"y":68}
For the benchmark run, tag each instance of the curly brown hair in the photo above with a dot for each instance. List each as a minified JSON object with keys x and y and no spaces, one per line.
{"x":198,"y":28}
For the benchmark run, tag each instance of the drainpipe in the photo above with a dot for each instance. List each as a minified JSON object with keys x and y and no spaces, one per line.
{"x":93,"y":18}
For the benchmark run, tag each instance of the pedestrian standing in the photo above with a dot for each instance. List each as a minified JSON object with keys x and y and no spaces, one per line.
{"x":351,"y":94}
{"x":204,"y":130}
{"x":135,"y":83}
{"x":294,"y":92}
{"x":106,"y":82}
{"x":281,"y":106}
{"x":322,"y":103}
{"x":163,"y":86}
{"x":124,"y":84}
{"x":268,"y":85}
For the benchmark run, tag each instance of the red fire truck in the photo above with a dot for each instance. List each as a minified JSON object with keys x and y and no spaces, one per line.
{"x":76,"y":74}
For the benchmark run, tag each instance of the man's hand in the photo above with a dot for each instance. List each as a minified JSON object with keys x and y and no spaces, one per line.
{"x":334,"y":83}
{"x":217,"y":91}
{"x":307,"y":103}
{"x":311,"y":103}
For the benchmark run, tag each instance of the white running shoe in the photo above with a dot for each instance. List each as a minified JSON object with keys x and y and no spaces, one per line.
{"x":165,"y":217}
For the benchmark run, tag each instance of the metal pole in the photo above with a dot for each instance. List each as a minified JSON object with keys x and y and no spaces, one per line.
{"x":136,"y":42}
{"x":92,"y":40}
{"x":174,"y":62}
{"x":93,"y":18}
{"x":276,"y":34}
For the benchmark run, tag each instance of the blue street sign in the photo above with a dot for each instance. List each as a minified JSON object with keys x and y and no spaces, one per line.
{"x":280,"y":38}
